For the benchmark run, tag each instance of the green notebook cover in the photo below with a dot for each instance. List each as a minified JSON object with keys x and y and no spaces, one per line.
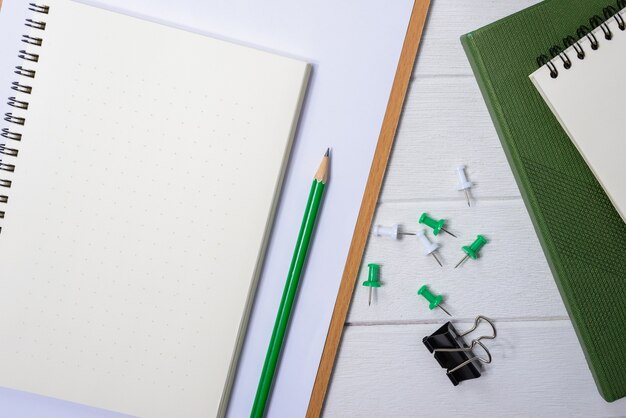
{"x":583,"y":237}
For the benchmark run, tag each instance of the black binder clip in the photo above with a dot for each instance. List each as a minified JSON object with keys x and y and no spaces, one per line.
{"x":454,"y":355}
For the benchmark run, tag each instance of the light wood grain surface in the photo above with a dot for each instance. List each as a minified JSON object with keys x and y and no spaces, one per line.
{"x":383,"y":369}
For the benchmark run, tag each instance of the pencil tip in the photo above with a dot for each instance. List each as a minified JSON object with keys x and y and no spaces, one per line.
{"x":327,"y":152}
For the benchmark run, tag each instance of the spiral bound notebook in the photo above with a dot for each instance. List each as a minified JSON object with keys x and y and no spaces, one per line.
{"x":138,"y":181}
{"x":581,"y":233}
{"x":585,"y":89}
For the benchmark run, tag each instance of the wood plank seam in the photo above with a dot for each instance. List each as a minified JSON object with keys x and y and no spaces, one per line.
{"x":497,"y":320}
{"x":436,"y":200}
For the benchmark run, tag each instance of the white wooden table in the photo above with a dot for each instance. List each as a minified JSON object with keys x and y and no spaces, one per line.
{"x":383,"y":369}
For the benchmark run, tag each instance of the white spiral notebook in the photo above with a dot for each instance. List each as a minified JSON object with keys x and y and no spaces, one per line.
{"x":586,"y":89}
{"x":139,"y":175}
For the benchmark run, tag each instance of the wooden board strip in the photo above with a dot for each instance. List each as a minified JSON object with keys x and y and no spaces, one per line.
{"x":538,"y":370}
{"x":445,"y":123}
{"x":511,"y":279}
{"x":368,"y":204}
{"x":441,"y":53}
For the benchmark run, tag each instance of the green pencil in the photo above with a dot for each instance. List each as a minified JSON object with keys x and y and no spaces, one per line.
{"x":291,"y":286}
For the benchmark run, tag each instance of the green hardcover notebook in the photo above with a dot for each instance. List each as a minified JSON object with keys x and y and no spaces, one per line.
{"x":582,"y":235}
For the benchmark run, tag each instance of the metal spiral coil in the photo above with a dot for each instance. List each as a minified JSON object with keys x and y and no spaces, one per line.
{"x":32,"y":40}
{"x":10,"y":135}
{"x":38,"y":8}
{"x":13,"y":102}
{"x":28,"y":56}
{"x":7,"y":167}
{"x":21,"y":88}
{"x":7,"y":149}
{"x":11,"y":118}
{"x":35,"y":24}
{"x":556,"y":51}
{"x":24,"y":71}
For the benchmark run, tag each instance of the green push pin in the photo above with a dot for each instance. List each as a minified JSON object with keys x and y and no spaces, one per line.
{"x":373,"y":280}
{"x":435,"y":301}
{"x":436,"y":225}
{"x":472,"y":250}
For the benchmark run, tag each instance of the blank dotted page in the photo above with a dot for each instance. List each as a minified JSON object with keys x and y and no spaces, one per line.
{"x":138,"y":213}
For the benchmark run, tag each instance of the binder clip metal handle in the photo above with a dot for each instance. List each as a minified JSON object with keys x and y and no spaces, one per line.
{"x":455,"y":355}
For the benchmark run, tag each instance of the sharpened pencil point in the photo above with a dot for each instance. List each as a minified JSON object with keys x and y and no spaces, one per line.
{"x":322,"y":171}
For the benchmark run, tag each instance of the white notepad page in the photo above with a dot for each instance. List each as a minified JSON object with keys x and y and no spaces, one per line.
{"x":588,"y":100}
{"x":139,"y":210}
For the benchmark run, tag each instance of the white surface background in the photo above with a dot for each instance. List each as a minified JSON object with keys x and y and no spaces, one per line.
{"x":355,"y":46}
{"x":383,"y":369}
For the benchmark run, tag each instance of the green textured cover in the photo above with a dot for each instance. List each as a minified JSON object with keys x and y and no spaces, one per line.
{"x":583,"y":237}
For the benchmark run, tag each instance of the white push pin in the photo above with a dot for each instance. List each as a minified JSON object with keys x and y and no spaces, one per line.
{"x":429,"y":247}
{"x":464,"y":183}
{"x":392,"y":231}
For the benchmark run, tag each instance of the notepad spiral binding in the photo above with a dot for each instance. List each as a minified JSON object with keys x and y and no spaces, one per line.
{"x":595,"y":21}
{"x":11,"y":136}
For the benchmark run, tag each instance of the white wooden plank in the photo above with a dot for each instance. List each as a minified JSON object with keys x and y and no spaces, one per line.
{"x":446,"y":123}
{"x":441,"y":52}
{"x":510,"y":280}
{"x":538,"y":370}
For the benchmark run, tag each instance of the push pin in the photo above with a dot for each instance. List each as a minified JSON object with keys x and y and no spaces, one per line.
{"x":464,"y":183}
{"x":435,"y":301}
{"x":392,"y":231}
{"x":373,"y":280}
{"x":430,"y":248}
{"x":436,"y":225}
{"x":472,"y":250}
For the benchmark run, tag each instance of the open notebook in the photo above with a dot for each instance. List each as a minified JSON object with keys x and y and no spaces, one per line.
{"x":585,"y":87}
{"x":138,"y":181}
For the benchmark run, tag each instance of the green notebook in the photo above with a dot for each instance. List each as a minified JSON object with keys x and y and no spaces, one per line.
{"x":582,"y":235}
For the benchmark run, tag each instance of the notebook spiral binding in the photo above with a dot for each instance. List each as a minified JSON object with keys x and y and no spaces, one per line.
{"x":8,"y":152}
{"x":610,"y":12}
